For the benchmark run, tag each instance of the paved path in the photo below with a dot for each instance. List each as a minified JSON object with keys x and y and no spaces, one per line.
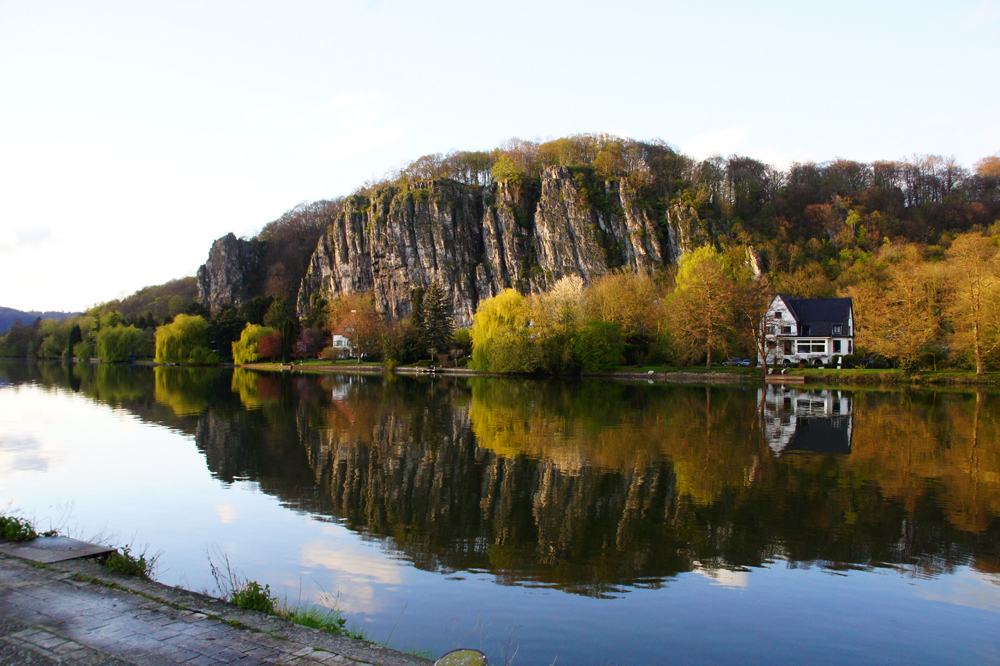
{"x":78,"y":612}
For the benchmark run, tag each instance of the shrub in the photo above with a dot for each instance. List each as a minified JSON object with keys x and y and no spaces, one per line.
{"x":16,"y":529}
{"x":254,"y":597}
{"x":123,"y":561}
{"x":599,"y":346}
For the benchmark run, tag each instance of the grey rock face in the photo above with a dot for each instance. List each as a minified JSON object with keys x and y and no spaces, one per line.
{"x":474,"y":241}
{"x":686,"y":231}
{"x":477,"y":241}
{"x":231,"y":276}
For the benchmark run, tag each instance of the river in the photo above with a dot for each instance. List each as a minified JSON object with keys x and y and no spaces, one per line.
{"x":543,"y":521}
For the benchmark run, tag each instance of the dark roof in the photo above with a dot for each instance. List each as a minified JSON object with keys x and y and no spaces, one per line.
{"x":820,"y":313}
{"x":830,"y":436}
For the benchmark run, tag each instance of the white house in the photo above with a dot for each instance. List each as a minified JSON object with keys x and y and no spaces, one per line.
{"x":808,"y":330}
{"x":342,"y":344}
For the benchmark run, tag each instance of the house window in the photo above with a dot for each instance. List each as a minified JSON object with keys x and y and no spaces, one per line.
{"x":777,"y":315}
{"x":786,"y":330}
{"x":806,"y":329}
{"x":788,"y":347}
{"x":836,"y":346}
{"x":838,"y":329}
{"x":770,"y":330}
{"x":811,"y":347}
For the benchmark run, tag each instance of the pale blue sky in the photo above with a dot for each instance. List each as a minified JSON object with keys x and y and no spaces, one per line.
{"x":134,"y":134}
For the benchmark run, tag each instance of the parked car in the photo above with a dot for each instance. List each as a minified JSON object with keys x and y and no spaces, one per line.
{"x":733,"y":362}
{"x":746,"y":363}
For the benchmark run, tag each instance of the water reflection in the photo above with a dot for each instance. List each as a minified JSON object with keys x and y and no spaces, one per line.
{"x":592,"y":487}
{"x":813,"y":421}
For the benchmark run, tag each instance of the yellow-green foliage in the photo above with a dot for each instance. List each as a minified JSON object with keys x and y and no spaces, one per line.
{"x":500,"y":335}
{"x":185,"y":340}
{"x":245,"y":349}
{"x":119,"y":343}
{"x":187,"y":391}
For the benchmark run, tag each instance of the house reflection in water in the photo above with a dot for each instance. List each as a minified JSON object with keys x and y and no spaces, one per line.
{"x":799,"y":420}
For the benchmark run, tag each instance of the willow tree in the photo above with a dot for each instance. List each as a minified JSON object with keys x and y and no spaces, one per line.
{"x":184,"y":340}
{"x":500,"y":332}
{"x":245,"y":350}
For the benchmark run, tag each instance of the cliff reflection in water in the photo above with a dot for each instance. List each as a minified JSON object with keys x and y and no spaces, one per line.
{"x":595,"y":487}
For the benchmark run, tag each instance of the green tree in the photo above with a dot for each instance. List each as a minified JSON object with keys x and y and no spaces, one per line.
{"x":119,"y":343}
{"x":255,"y":309}
{"x":438,"y":323}
{"x":288,"y":333}
{"x":245,"y":349}
{"x":275,"y":315}
{"x":599,"y":346}
{"x":184,"y":340}
{"x":75,"y":338}
{"x":225,"y":329}
{"x":501,"y":339}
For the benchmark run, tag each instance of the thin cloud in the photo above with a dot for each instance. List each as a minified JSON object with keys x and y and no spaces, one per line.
{"x":15,"y":240}
{"x":723,"y":141}
{"x":737,"y":141}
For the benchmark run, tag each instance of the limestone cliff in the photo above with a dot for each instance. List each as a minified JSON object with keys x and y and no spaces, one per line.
{"x":478,"y":241}
{"x":231,"y":276}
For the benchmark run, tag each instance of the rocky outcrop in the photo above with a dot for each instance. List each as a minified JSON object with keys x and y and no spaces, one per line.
{"x":232,"y":274}
{"x":477,"y":241}
{"x":685,"y":230}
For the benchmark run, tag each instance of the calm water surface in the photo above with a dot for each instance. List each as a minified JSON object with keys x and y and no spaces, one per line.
{"x":541,"y":521}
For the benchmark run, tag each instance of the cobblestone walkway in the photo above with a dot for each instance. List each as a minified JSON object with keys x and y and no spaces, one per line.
{"x":77,"y":612}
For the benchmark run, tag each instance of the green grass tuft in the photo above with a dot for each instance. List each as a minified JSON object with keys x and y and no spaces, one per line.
{"x":252,"y":596}
{"x":317,"y":617}
{"x":123,"y":561}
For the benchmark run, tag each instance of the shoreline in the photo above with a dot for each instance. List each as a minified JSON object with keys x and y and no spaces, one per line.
{"x":121,"y":617}
{"x":869,"y":378}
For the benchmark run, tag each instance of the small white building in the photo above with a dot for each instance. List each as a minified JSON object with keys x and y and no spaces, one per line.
{"x":342,"y":344}
{"x":808,"y":330}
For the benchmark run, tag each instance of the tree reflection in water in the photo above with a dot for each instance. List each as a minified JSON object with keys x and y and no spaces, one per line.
{"x":594,"y":487}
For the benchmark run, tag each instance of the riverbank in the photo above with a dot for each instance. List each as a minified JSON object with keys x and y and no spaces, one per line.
{"x":79,"y":612}
{"x":694,"y":375}
{"x":721,"y":376}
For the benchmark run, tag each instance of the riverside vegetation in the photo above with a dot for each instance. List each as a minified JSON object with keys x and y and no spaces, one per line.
{"x":914,"y":242}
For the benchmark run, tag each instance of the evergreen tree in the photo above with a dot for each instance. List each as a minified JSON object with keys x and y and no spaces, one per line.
{"x":225,"y":329}
{"x":288,"y":333}
{"x":75,"y":338}
{"x":438,"y":323}
{"x":417,"y":318}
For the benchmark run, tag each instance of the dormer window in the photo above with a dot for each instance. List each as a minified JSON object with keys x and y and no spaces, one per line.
{"x":838,"y":329}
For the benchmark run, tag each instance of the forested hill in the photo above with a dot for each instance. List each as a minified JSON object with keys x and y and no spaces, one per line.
{"x":525,"y":214}
{"x":9,"y":315}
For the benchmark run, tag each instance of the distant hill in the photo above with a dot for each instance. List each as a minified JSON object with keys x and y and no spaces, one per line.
{"x":9,"y":315}
{"x":158,"y":300}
